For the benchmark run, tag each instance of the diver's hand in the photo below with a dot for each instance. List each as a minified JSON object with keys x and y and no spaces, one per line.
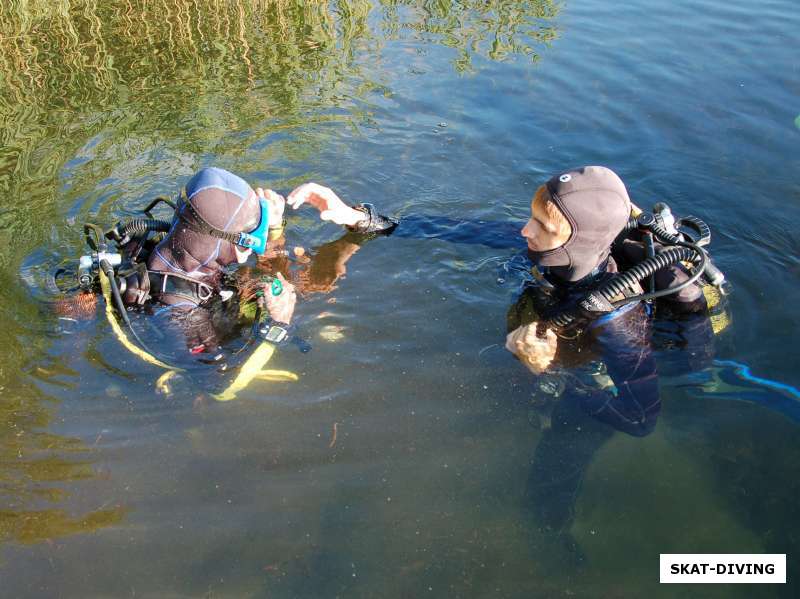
{"x":535,"y":352}
{"x":281,"y":306}
{"x":276,"y":203}
{"x":331,"y":207}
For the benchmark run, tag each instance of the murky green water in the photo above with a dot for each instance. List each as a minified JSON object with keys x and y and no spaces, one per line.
{"x":459,"y":109}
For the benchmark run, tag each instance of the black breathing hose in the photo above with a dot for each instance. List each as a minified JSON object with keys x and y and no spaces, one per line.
{"x":122,"y":232}
{"x":616,"y":285}
{"x":711,"y":272}
{"x":115,"y":294}
{"x":108,"y":270}
{"x":142,"y":225}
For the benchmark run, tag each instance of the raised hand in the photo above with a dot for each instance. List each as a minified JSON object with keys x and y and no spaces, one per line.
{"x":331,"y":207}
{"x":276,"y":203}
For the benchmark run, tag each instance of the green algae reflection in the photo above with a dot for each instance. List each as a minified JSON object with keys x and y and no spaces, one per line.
{"x":36,"y":470}
{"x":164,"y":85}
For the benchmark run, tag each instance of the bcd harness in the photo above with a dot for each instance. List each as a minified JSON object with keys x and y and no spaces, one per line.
{"x":105,"y":267}
{"x":684,"y":242}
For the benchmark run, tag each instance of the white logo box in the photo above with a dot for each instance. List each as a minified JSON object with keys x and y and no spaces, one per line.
{"x":723,"y":568}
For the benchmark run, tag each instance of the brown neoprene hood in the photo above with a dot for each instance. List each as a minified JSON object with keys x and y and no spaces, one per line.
{"x":595,"y":202}
{"x":223,"y":200}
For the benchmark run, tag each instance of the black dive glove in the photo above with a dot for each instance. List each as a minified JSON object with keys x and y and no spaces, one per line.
{"x":374,"y":223}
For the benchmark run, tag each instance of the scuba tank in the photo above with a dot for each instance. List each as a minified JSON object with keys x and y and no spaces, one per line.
{"x":135,"y":234}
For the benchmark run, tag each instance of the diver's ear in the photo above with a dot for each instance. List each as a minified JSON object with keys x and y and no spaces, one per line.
{"x":242,"y":254}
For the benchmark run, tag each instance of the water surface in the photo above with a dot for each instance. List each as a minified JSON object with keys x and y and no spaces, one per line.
{"x":455,"y":109}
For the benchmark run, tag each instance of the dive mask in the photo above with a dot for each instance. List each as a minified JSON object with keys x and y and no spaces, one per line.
{"x":256,"y":239}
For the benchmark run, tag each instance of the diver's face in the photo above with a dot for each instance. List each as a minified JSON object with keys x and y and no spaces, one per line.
{"x":541,"y":232}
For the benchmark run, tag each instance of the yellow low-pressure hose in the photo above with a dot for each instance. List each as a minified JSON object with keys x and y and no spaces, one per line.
{"x":253,"y":369}
{"x":105,"y":285}
{"x":250,"y":370}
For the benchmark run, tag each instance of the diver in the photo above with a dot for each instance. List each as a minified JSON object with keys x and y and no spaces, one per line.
{"x":593,"y":250}
{"x":219,"y":221}
{"x":606,"y":274}
{"x":182,"y":274}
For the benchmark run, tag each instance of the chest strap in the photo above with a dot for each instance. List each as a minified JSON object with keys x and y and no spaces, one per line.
{"x":168,"y":283}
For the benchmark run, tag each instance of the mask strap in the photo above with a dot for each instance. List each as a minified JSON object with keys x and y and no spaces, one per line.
{"x":202,"y":225}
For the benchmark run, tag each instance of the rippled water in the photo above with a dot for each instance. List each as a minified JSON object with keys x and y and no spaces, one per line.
{"x":401,"y":463}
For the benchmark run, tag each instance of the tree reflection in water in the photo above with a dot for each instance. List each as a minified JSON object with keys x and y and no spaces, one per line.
{"x":37,"y":468}
{"x":140,"y":81}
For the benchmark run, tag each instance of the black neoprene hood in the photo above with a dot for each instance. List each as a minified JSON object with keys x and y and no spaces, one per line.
{"x":596,"y":204}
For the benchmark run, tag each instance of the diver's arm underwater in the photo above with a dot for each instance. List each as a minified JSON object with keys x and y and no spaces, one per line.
{"x":633,"y":404}
{"x":502,"y":235}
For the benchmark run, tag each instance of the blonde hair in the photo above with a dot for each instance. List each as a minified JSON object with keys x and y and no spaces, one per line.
{"x":555,"y":217}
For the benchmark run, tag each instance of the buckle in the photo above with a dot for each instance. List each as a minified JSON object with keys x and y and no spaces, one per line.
{"x":204,"y":292}
{"x":247,"y":240}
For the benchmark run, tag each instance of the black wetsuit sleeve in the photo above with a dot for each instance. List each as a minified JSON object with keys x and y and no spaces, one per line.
{"x":493,"y":234}
{"x":624,"y":343}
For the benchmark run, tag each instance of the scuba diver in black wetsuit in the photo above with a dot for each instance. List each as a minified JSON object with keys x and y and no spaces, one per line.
{"x":218,"y":222}
{"x":180,"y":276}
{"x":592,"y":250}
{"x":585,"y":313}
{"x":578,"y":236}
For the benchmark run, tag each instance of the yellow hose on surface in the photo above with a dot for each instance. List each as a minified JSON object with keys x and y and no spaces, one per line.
{"x":162,"y":383}
{"x":253,"y":368}
{"x":105,"y":285}
{"x":277,"y":375}
{"x":249,"y":370}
